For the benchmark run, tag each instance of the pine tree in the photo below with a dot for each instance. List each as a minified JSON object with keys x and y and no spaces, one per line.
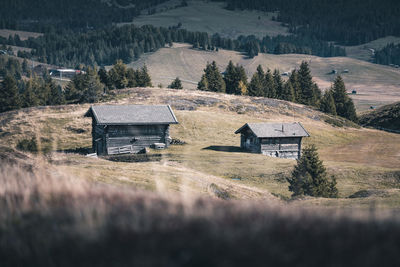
{"x":328,"y":103}
{"x":241,"y":87}
{"x":56,"y":96}
{"x":230,"y":78}
{"x":144,"y":77}
{"x":176,"y":84}
{"x":131,"y":77}
{"x":203,"y":83}
{"x":309,"y":176}
{"x":294,"y":81}
{"x":9,"y":94}
{"x":269,"y":85}
{"x":278,"y":83}
{"x":29,"y":98}
{"x":257,"y":83}
{"x":117,"y":75}
{"x":344,"y":104}
{"x":288,"y":92}
{"x":307,"y":94}
{"x":93,"y":89}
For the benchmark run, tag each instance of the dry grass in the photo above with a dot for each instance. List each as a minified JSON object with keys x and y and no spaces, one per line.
{"x":363,"y":52}
{"x":376,"y":85}
{"x":50,"y":218}
{"x":362,"y":159}
{"x":213,"y":18}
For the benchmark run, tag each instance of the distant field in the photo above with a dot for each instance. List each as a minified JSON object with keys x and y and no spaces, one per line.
{"x":22,"y":35}
{"x":211,"y":17}
{"x":363,"y":52}
{"x":376,"y":85}
{"x":361,"y":159}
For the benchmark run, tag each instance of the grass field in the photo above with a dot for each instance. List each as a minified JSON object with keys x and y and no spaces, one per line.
{"x":362,"y":159}
{"x":376,"y":85}
{"x":211,"y":17}
{"x":363,"y":52}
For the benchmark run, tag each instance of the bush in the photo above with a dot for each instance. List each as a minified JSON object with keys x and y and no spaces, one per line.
{"x":309,"y":176}
{"x":28,"y":145}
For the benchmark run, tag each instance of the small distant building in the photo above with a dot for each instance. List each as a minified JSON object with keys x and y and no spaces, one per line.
{"x":281,"y":140}
{"x":334,"y":71}
{"x":119,"y":129}
{"x":345,"y":71}
{"x":65,"y":73}
{"x":354,"y":92}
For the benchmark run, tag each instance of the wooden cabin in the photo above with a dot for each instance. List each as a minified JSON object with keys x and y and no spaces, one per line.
{"x":281,"y":140}
{"x":119,"y":129}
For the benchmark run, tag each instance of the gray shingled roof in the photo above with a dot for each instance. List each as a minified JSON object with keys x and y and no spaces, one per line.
{"x":264,"y":130}
{"x":132,"y":114}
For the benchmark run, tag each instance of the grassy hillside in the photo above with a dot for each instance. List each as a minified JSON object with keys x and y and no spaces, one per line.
{"x":376,"y":85}
{"x":363,"y":52}
{"x":387,"y":117}
{"x":50,"y":218}
{"x":211,"y":155}
{"x":211,"y":17}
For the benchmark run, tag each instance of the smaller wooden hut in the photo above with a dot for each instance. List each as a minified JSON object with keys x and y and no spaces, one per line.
{"x":118,"y":129}
{"x":281,"y":140}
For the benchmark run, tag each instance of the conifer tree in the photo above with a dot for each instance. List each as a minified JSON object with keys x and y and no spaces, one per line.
{"x":241,"y":87}
{"x":29,"y":98}
{"x":309,"y":176}
{"x":56,"y":96}
{"x":269,"y":85}
{"x":307,"y":93}
{"x":294,"y":81}
{"x":257,"y":83}
{"x":230,"y":78}
{"x":344,"y":104}
{"x":176,"y":84}
{"x":93,"y":87}
{"x":203,"y":84}
{"x":328,"y":103}
{"x":132,"y":77}
{"x":288,"y":92}
{"x":278,"y":83}
{"x":9,"y":94}
{"x":144,"y":77}
{"x":117,"y":75}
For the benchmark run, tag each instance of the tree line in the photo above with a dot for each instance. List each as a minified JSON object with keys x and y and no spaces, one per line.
{"x":388,"y":55}
{"x":104,"y":46}
{"x":42,"y":15}
{"x":348,"y":22}
{"x":299,"y":87}
{"x":89,"y":87}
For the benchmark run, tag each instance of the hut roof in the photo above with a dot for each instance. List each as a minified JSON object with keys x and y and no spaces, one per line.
{"x":264,"y":130}
{"x":132,"y":114}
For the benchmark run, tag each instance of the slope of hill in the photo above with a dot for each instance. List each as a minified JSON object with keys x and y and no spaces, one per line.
{"x":211,"y":17}
{"x":211,"y":155}
{"x":366,"y":51}
{"x":376,"y":85}
{"x":386,"y":117}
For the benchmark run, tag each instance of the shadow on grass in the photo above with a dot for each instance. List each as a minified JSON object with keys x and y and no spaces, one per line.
{"x":78,"y":150}
{"x":226,"y":149}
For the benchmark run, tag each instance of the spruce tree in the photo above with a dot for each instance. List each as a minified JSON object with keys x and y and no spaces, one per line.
{"x":230,"y":78}
{"x":9,"y":94}
{"x":309,"y":176}
{"x":294,"y":81}
{"x":203,"y":83}
{"x":278,"y":84}
{"x":56,"y":96}
{"x":144,"y":77}
{"x":29,"y":98}
{"x":328,"y":104}
{"x":93,"y":90}
{"x":288,"y":92}
{"x":117,"y":75}
{"x":344,"y":104}
{"x":257,"y":83}
{"x":269,"y":85}
{"x":176,"y":84}
{"x":307,"y":94}
{"x":241,"y":87}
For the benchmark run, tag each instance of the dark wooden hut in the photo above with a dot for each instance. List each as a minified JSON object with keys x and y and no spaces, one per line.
{"x":281,"y":140}
{"x":118,"y":129}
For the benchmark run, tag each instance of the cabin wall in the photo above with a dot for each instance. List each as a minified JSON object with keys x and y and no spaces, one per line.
{"x":250,"y":142}
{"x":287,"y":147}
{"x":138,"y":137}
